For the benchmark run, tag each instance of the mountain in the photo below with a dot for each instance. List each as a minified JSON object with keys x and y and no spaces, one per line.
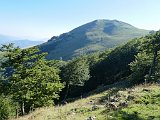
{"x":4,"y":39}
{"x":26,"y":43}
{"x":95,"y":36}
{"x":122,"y":91}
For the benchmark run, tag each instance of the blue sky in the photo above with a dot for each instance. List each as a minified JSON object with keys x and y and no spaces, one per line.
{"x":46,"y":18}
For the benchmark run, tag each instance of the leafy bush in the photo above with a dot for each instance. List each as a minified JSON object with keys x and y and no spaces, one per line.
{"x":7,"y":108}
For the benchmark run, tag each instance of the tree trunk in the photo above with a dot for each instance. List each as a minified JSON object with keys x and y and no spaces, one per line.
{"x":67,"y":90}
{"x":22,"y":108}
{"x":17,"y":112}
{"x":153,"y":65}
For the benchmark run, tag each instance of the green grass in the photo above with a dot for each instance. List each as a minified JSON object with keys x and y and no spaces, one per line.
{"x":143,"y":104}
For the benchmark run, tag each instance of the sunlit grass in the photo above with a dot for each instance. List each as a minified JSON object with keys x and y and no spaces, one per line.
{"x":144,"y":105}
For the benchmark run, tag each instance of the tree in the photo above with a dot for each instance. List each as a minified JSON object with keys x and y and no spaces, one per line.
{"x":32,"y":82}
{"x":140,"y":66}
{"x":146,"y":62}
{"x":153,"y":48}
{"x":76,"y":72}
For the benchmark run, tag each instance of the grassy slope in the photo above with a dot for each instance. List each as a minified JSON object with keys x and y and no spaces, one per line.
{"x":143,"y":104}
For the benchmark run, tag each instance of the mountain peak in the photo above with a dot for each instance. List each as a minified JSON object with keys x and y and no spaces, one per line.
{"x":108,"y":21}
{"x":91,"y":37}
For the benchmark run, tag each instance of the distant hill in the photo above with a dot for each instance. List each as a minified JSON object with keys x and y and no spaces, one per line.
{"x":26,"y":43}
{"x":4,"y":39}
{"x":91,"y":37}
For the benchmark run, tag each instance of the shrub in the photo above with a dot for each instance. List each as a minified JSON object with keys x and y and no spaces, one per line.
{"x":7,"y":108}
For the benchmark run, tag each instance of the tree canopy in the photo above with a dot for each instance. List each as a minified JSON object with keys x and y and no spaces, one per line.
{"x":31,"y":81}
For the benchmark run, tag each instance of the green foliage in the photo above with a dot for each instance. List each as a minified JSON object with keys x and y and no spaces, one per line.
{"x":32,"y":83}
{"x":112,"y":66}
{"x":75,"y":73}
{"x":42,"y":85}
{"x":140,"y":66}
{"x":56,"y":63}
{"x":7,"y":108}
{"x":146,"y":64}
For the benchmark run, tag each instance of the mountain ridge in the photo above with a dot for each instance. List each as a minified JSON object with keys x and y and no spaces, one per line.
{"x":97,"y":35}
{"x":22,"y":43}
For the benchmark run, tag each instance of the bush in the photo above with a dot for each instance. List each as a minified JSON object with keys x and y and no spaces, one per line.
{"x":7,"y":108}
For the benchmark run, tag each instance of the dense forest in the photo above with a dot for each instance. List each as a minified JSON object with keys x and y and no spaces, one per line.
{"x":29,"y":81}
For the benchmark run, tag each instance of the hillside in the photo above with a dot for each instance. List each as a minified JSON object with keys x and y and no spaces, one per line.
{"x":140,"y":102}
{"x":91,"y":37}
{"x":115,"y":70}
